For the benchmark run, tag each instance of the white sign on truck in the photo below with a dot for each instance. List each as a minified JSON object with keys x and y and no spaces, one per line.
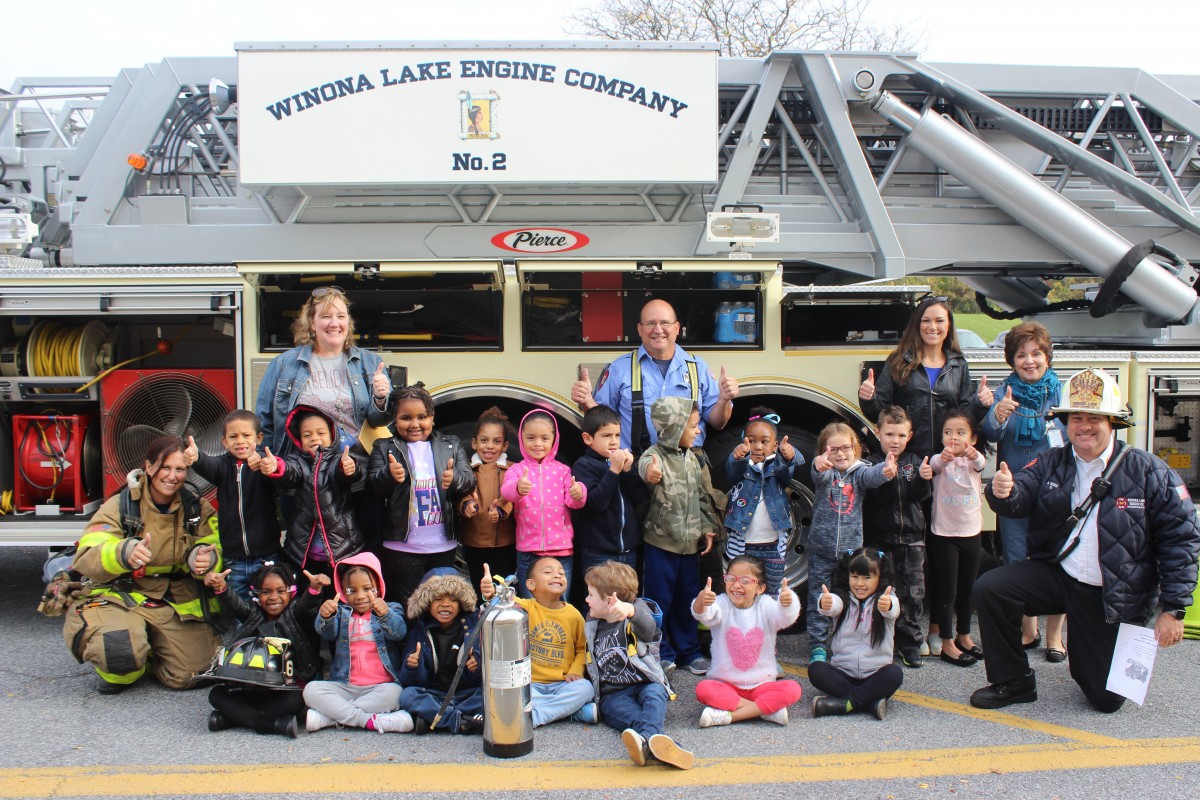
{"x":404,"y":116}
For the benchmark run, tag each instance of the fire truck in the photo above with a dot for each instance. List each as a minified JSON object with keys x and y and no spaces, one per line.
{"x":499,"y":213}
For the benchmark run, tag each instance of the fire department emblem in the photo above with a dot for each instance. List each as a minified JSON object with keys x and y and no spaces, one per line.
{"x":1086,"y":390}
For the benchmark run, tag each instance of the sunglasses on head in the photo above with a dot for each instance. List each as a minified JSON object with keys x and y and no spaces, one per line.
{"x":324,"y":291}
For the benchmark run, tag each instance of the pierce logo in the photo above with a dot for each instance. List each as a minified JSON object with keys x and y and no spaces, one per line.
{"x":540,"y":240}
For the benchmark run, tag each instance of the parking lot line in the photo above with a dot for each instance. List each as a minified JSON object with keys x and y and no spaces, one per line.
{"x":278,"y":780}
{"x":997,"y":717}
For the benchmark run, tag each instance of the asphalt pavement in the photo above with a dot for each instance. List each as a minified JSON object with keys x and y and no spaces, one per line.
{"x":60,"y":738}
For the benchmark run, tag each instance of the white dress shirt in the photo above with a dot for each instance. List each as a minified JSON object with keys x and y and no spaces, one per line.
{"x":1083,"y":563}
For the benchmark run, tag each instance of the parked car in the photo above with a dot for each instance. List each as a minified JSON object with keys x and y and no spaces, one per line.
{"x":969,"y":338}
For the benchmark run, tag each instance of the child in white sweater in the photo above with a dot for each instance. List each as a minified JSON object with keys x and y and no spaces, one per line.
{"x":742,"y":682}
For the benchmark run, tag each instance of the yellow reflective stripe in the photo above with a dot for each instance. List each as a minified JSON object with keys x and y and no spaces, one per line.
{"x":123,"y":680}
{"x":96,"y":538}
{"x":694,"y":380}
{"x":192,"y":608}
{"x":110,"y":557}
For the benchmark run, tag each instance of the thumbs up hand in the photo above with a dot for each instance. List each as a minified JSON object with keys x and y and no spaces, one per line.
{"x":886,"y":599}
{"x":947,"y":455}
{"x":727,"y":385}
{"x":191,"y":453}
{"x":396,"y":469}
{"x":141,"y":554}
{"x":705,"y":599}
{"x":1002,"y":482}
{"x":826,"y":601}
{"x":786,"y":595}
{"x":487,"y":587}
{"x":349,"y":466}
{"x":866,"y":389}
{"x":381,"y":385}
{"x":414,"y":658}
{"x":619,"y":460}
{"x":925,"y":471}
{"x":654,"y":473}
{"x":448,"y":474}
{"x":216,"y":580}
{"x":253,"y":460}
{"x":379,"y":606}
{"x":470,"y":506}
{"x":203,"y":559}
{"x":743,"y":449}
{"x":1006,"y":406}
{"x":494,"y":511}
{"x":889,"y":466}
{"x":524,"y":485}
{"x":328,"y":608}
{"x":576,"y":490}
{"x":317,"y":581}
{"x":971,"y":453}
{"x":581,"y":390}
{"x":985,"y":395}
{"x":822,"y":462}
{"x":267,"y":465}
{"x":786,"y":450}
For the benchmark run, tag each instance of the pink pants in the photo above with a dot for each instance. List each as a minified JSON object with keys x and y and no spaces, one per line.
{"x":769,"y":697}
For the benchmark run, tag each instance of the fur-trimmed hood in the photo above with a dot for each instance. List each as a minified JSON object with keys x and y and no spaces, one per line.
{"x":441,"y":585}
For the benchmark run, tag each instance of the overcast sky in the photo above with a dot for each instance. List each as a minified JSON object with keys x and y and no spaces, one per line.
{"x":100,"y":37}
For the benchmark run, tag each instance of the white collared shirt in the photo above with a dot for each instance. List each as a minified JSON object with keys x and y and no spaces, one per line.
{"x":1083,"y":564}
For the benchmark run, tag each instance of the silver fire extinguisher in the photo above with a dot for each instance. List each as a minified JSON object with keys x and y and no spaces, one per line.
{"x":507,"y":673}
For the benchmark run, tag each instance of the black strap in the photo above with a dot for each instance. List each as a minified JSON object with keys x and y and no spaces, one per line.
{"x":1099,"y":490}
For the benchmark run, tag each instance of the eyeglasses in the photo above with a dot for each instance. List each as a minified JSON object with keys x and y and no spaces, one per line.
{"x":658,"y":323}
{"x":325,"y":291}
{"x":932,"y":298}
{"x":846,"y":449}
{"x":744,"y":580}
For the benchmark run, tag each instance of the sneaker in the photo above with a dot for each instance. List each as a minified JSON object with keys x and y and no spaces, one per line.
{"x":663,"y":748}
{"x":286,"y":727}
{"x":712,"y":717}
{"x":218,"y":721}
{"x":393,"y":722}
{"x":818,"y":654}
{"x":589,"y":714}
{"x":999,"y":695}
{"x":316,"y":720}
{"x":910,"y":657}
{"x":779,"y":717}
{"x":923,"y":650}
{"x":636,"y":745}
{"x":935,"y":644}
{"x":699,"y":665}
{"x":878,"y":709}
{"x":668,"y":667}
{"x":466,"y":725}
{"x":828,"y":706}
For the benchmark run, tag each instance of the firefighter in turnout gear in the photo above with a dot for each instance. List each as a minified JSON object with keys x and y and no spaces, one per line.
{"x":145,"y":553}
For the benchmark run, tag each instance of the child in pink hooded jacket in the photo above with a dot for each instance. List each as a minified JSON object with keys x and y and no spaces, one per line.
{"x":542,"y":489}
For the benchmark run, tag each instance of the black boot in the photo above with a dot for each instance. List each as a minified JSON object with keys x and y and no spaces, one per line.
{"x":286,"y":726}
{"x":999,"y":695}
{"x":218,"y":721}
{"x":829,"y":706}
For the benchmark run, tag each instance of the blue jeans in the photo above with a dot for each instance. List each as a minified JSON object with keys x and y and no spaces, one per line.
{"x":673,"y":581}
{"x":1013,"y":538}
{"x":820,"y":572}
{"x":773,"y":565}
{"x":242,"y":572}
{"x":594,"y":558}
{"x":557,"y":700}
{"x":642,"y":707}
{"x":525,"y":561}
{"x":424,"y":703}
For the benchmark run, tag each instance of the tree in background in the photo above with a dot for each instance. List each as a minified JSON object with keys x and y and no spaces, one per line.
{"x":745,"y":27}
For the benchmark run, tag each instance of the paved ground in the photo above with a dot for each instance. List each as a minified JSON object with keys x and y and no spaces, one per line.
{"x":58,"y":738}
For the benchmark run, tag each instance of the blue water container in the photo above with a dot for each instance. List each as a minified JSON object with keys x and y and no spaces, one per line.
{"x":736,"y":323}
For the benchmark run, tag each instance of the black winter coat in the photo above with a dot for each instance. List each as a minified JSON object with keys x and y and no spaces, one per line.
{"x":893,"y":513}
{"x":925,"y":405}
{"x":245,"y":506}
{"x":608,"y":521}
{"x":1148,"y":534}
{"x":295,"y":623}
{"x":323,"y":502}
{"x":398,"y":496}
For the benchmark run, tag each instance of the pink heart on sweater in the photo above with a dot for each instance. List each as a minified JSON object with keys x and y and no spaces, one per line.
{"x":744,"y":648}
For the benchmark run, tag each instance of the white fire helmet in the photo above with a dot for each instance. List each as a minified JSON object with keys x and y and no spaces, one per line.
{"x":1093,"y":391}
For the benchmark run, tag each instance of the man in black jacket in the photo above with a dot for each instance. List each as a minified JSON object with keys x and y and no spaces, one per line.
{"x":1136,"y":544}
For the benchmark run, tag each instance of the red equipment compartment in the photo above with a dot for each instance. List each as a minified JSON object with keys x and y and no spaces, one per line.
{"x":603,"y":317}
{"x":57,"y":460}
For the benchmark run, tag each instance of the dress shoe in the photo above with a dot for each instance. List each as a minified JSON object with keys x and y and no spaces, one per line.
{"x":1055,"y":656}
{"x":974,"y":650}
{"x":963,"y":659}
{"x":1034,"y":645}
{"x":999,"y":695}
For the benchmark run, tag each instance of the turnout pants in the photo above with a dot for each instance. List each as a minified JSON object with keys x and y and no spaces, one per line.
{"x":121,"y":642}
{"x":1033,"y":588}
